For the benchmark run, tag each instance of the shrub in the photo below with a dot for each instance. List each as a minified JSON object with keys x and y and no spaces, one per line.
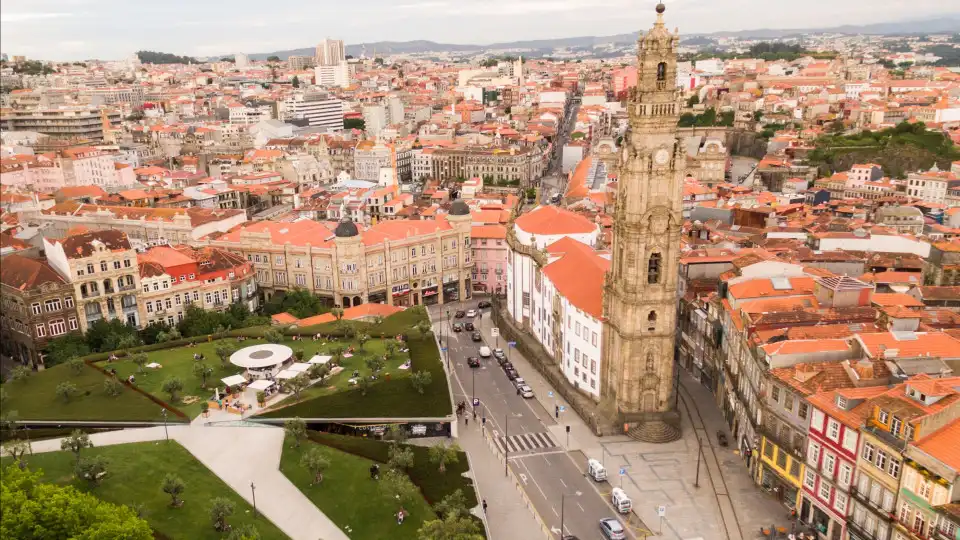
{"x":66,"y":390}
{"x":173,"y":486}
{"x":76,"y":365}
{"x":92,"y":469}
{"x":112,"y":387}
{"x":172,"y":386}
{"x":220,"y":509}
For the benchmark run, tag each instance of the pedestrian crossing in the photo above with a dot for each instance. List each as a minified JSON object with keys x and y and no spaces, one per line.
{"x":526,"y":442}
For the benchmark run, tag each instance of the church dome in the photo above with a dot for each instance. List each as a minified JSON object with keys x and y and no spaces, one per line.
{"x":459,"y":208}
{"x":346,"y":229}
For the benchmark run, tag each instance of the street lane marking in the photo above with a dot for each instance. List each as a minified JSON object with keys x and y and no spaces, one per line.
{"x":526,"y":442}
{"x":562,"y":482}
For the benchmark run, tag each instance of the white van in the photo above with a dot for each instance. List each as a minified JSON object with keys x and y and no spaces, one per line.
{"x":485,"y":351}
{"x":620,"y":501}
{"x":596,"y":470}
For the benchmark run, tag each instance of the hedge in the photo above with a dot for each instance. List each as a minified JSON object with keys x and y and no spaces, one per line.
{"x":395,"y":398}
{"x":424,"y":474}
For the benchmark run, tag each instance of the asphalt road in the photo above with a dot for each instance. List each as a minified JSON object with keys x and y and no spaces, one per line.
{"x":534,"y":439}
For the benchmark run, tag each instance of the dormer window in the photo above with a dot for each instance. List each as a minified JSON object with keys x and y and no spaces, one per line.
{"x":842,"y":402}
{"x":884,"y":417}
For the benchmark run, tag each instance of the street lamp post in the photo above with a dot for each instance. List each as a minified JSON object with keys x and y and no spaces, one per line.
{"x":563,"y":499}
{"x":163,"y":412}
{"x":696,"y":482}
{"x":253,"y":491}
{"x":506,"y":448}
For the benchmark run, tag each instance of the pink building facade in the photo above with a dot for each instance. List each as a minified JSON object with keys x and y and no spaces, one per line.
{"x":489,"y":246}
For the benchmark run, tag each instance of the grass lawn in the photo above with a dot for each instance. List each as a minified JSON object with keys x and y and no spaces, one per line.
{"x":349,"y":497}
{"x":394,"y":398}
{"x":134,"y":475}
{"x":35,"y":398}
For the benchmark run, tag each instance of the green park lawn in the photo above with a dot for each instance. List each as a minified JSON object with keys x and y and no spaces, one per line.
{"x":349,"y":497}
{"x":35,"y":398}
{"x":134,"y":475}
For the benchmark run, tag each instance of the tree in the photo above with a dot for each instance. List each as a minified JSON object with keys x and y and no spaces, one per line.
{"x":441,"y":454}
{"x":112,"y":387}
{"x":140,"y":359}
{"x":172,"y":386}
{"x":299,"y":302}
{"x":378,"y":61}
{"x":17,"y":449}
{"x":151,"y":333}
{"x":273,"y":335}
{"x":424,"y":328}
{"x":66,"y":390}
{"x":454,"y":504}
{"x":220,"y":509}
{"x":76,"y":442}
{"x":151,"y":57}
{"x":19,"y":373}
{"x":296,"y":428}
{"x":295,"y":82}
{"x":244,"y":532}
{"x":362,"y":340}
{"x":92,"y":469}
{"x":224,"y":351}
{"x":354,"y":123}
{"x":299,"y":353}
{"x":337,"y":313}
{"x":273,"y":72}
{"x":315,"y":462}
{"x":391,"y":348}
{"x":33,"y":510}
{"x":319,"y":371}
{"x":173,"y":486}
{"x":397,"y":486}
{"x":273,"y":58}
{"x":202,"y":371}
{"x":401,"y":457}
{"x":693,"y":100}
{"x":297,"y":385}
{"x":421,"y":380}
{"x":337,"y":353}
{"x":450,"y":528}
{"x":374,"y":364}
{"x":63,"y":348}
{"x":111,"y":335}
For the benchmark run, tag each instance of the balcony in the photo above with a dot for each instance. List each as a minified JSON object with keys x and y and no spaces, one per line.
{"x":864,"y":500}
{"x":126,"y":287}
{"x":787,"y":445}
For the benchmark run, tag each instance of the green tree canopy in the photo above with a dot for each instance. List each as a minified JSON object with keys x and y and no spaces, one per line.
{"x":63,"y":348}
{"x":301,"y":303}
{"x":35,"y":510}
{"x":273,"y":58}
{"x":151,"y":57}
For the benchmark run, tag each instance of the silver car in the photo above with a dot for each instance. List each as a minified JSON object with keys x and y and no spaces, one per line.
{"x":612,"y":529}
{"x":526,"y":391}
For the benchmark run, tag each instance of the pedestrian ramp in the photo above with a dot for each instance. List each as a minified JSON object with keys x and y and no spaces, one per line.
{"x":526,"y":442}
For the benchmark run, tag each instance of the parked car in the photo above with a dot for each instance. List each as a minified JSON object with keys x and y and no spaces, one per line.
{"x":499,"y":354}
{"x":518,"y":382}
{"x":469,"y":326}
{"x":457,"y":327}
{"x":473,"y":361}
{"x":471,"y":313}
{"x":501,"y":360}
{"x":484,"y":304}
{"x":506,"y":366}
{"x":526,"y":391}
{"x":476,"y":336}
{"x":612,"y":529}
{"x":512,"y":374}
{"x":459,"y":314}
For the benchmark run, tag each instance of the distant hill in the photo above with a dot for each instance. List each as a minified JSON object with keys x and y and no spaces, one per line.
{"x":945,"y":23}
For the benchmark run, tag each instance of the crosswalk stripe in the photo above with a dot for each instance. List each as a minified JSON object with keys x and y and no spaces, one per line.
{"x":525,"y":442}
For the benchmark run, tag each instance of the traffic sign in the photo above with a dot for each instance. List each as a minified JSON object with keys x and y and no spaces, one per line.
{"x":444,"y":349}
{"x":623,"y":471}
{"x":476,"y":402}
{"x":495,"y":332}
{"x":562,"y":408}
{"x":511,"y":344}
{"x":550,"y":393}
{"x":662,"y":510}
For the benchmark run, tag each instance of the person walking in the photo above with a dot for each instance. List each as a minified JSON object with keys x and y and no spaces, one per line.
{"x":466,"y":419}
{"x":484,"y":506}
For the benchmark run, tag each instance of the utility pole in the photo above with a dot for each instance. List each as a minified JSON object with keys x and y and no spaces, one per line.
{"x":253,"y":491}
{"x":696,"y":483}
{"x":163,"y":412}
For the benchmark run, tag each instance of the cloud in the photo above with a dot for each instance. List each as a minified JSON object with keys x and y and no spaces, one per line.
{"x":27,"y":16}
{"x":423,"y":5}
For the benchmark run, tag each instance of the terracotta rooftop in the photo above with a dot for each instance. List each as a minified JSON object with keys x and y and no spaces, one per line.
{"x":578,"y":276}
{"x":552,"y":220}
{"x":25,"y":274}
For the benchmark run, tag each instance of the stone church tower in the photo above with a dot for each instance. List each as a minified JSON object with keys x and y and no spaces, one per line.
{"x":640,"y":293}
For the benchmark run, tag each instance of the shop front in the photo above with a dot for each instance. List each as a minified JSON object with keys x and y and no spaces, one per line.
{"x":431,"y":295}
{"x":377,"y":297}
{"x":783,"y":490}
{"x":451,"y":288}
{"x":401,"y":295}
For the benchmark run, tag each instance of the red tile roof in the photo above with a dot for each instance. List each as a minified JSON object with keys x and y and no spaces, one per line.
{"x":552,"y":220}
{"x":578,"y":275}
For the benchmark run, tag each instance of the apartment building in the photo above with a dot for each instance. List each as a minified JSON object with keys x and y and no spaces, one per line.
{"x":318,"y":109}
{"x":82,"y":123}
{"x":931,"y":186}
{"x":489,"y":243}
{"x":330,"y":52}
{"x":174,"y":278}
{"x":524,"y":166}
{"x":132,"y":95}
{"x":37,"y":305}
{"x":394,"y":262}
{"x":102,"y":267}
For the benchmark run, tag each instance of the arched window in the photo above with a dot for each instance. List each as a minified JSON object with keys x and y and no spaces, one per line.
{"x":653,"y":269}
{"x":662,"y":71}
{"x":652,"y":321}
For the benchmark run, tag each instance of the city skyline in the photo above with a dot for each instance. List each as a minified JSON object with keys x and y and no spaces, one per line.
{"x":77,"y":29}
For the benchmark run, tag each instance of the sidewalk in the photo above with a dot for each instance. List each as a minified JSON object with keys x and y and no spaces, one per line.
{"x":507,"y":514}
{"x":665,"y":474}
{"x":238,"y":455}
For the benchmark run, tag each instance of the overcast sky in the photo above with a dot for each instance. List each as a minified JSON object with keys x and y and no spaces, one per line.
{"x":113,"y":29}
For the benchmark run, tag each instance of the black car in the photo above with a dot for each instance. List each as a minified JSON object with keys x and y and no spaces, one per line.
{"x":476,"y":336}
{"x":457,"y":327}
{"x":512,"y":374}
{"x":483,"y":304}
{"x":500,"y":359}
{"x":459,"y":314}
{"x":506,"y":365}
{"x":473,"y":361}
{"x":469,"y":327}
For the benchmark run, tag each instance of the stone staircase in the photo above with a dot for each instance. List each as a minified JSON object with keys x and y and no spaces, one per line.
{"x":654,"y":431}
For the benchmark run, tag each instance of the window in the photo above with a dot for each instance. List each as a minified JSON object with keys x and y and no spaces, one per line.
{"x":37,"y":310}
{"x":788,"y":401}
{"x":841,"y":502}
{"x":881,"y":460}
{"x":824,"y":491}
{"x":802,"y":410}
{"x":68,"y":302}
{"x":813,"y":453}
{"x":208,"y":298}
{"x":191,"y":276}
{"x":850,"y":441}
{"x":924,"y":489}
{"x":196,"y":296}
{"x":868,"y":452}
{"x":810,"y":479}
{"x":662,"y":71}
{"x":768,"y":450}
{"x":782,"y":460}
{"x":894,"y":468}
{"x":52,"y":305}
{"x":41,"y":330}
{"x":884,"y":417}
{"x":103,"y":266}
{"x":846,"y":474}
{"x":816,"y":420}
{"x":653,"y":269}
{"x":895,"y":426}
{"x":168,"y":303}
{"x":833,"y":430}
{"x":278,"y":260}
{"x":89,"y":268}
{"x":652,"y":321}
{"x":126,"y":263}
{"x":775,"y":393}
{"x":73,"y":323}
{"x":593,"y":338}
{"x":829,"y":463}
{"x":795,"y":468}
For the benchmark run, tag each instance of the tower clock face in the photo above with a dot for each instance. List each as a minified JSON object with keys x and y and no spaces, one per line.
{"x":661,"y":156}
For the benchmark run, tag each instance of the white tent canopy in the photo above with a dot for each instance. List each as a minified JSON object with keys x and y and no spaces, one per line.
{"x":234,"y":380}
{"x":261,"y":356}
{"x":300,"y":367}
{"x":261,"y":384}
{"x":287,"y":374}
{"x":318,"y":359}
